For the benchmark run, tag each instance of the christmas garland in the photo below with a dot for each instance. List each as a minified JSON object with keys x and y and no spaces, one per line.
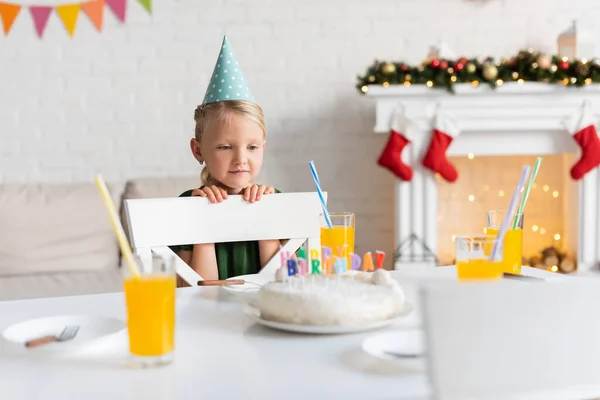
{"x":526,"y":66}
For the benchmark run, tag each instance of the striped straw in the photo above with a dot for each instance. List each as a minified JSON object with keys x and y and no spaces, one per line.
{"x":313,"y":170}
{"x":536,"y":168}
{"x":511,"y":210}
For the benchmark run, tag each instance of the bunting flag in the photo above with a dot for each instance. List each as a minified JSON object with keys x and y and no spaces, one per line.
{"x":119,"y":7}
{"x":40,"y":15}
{"x":147,"y":4}
{"x":95,"y":11}
{"x":67,"y":13}
{"x":8,"y":14}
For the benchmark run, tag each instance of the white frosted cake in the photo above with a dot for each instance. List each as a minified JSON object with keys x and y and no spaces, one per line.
{"x":317,"y":300}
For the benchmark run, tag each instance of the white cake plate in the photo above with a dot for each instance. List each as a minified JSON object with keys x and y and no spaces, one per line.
{"x":254,"y":313}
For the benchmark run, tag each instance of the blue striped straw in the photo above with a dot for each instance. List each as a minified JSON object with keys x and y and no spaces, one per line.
{"x":313,"y":170}
{"x":511,"y":210}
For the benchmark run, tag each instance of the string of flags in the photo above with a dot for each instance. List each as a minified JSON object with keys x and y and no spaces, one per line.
{"x":67,"y":13}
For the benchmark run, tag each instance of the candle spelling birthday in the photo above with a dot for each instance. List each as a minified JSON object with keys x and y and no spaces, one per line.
{"x":326,"y":261}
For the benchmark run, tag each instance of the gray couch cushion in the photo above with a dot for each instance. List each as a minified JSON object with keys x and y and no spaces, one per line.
{"x":60,"y":284}
{"x":55,"y":228}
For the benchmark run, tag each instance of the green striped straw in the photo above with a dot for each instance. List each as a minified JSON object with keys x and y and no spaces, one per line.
{"x":536,"y":168}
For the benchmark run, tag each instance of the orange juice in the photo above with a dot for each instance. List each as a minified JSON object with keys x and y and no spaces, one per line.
{"x":513,"y":249}
{"x":337,"y":237}
{"x":478,"y":269}
{"x":151,"y":314}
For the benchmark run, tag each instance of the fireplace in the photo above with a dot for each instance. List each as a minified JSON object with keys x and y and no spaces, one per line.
{"x":516,"y":121}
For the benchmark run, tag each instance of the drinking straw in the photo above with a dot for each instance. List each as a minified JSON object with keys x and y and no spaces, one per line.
{"x":511,"y":209}
{"x":313,"y":170}
{"x":536,"y":168}
{"x":116,"y":225}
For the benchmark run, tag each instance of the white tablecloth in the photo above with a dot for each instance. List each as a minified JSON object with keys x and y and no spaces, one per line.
{"x":220,"y":353}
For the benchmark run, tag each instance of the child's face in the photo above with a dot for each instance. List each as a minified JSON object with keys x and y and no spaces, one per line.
{"x":233,"y":151}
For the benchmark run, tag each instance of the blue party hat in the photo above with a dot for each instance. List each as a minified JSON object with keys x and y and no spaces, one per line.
{"x":227,"y":81}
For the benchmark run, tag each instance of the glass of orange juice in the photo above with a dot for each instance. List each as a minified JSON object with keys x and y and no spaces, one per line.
{"x":513,"y":241}
{"x":340,"y":237}
{"x":150,"y":304}
{"x":472,"y":258}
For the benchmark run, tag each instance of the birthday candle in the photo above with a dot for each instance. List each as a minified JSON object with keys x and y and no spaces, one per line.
{"x":355,"y":261}
{"x":302,"y":266}
{"x":301,"y":253}
{"x":328,"y":263}
{"x":285,"y":255}
{"x":326,"y":252}
{"x":315,"y":262}
{"x":316,"y":267}
{"x":379,"y":257}
{"x":292,"y":269}
{"x":368,"y":262}
{"x":340,"y":266}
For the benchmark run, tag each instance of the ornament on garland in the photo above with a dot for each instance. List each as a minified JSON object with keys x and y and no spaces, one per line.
{"x":583,"y":129}
{"x":388,"y":68}
{"x":490,"y":71}
{"x":438,"y":71}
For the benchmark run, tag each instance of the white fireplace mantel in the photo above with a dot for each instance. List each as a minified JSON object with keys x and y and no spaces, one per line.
{"x":513,"y":119}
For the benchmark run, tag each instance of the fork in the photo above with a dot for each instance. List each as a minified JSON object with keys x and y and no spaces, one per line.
{"x":67,"y":334}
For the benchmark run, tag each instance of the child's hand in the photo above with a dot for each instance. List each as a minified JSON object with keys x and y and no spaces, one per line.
{"x":214,"y":193}
{"x":253,"y":193}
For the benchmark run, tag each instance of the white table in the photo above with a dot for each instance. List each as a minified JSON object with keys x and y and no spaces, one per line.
{"x":220,"y":353}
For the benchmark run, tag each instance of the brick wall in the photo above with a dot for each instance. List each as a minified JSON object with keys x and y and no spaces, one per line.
{"x":121,"y":102}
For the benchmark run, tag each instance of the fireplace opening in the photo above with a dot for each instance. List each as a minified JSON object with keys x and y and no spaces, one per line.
{"x":487,"y":183}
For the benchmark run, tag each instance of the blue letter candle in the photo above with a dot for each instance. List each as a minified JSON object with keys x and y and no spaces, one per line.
{"x":292,"y":270}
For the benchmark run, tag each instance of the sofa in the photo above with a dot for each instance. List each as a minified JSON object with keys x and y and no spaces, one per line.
{"x":56,"y":239}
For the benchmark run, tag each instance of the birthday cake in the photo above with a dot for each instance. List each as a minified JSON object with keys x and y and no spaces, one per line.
{"x":319,"y":300}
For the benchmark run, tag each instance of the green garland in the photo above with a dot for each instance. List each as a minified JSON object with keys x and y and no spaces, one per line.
{"x":526,"y":66}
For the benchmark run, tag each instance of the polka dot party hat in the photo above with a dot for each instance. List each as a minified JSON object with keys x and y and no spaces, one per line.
{"x":227,"y":81}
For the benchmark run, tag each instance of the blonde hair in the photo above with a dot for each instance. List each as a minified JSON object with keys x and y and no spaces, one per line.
{"x":207,"y":115}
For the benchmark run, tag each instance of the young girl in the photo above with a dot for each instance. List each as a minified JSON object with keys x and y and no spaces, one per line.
{"x":229,"y":140}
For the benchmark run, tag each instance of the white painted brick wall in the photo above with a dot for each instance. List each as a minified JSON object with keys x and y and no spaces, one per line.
{"x":121,"y":102}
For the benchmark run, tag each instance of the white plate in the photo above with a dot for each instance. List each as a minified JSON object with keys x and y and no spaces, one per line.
{"x":92,"y":330}
{"x":324,"y":329}
{"x":260,"y":279}
{"x":405,"y":348}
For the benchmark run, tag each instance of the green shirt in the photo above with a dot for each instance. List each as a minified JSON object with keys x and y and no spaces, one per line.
{"x":233,"y":258}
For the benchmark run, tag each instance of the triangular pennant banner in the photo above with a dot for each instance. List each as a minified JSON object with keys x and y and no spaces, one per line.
{"x":68,"y":14}
{"x":40,"y":15}
{"x":147,"y":4}
{"x":8,"y":14}
{"x":95,"y":11}
{"x":118,"y":7}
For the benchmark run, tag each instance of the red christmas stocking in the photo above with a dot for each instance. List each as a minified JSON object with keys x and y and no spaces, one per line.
{"x":583,"y":130}
{"x":444,"y":131}
{"x":391,"y":156}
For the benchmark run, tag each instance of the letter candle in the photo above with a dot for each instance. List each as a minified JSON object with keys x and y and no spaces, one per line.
{"x":379,"y":257}
{"x":292,"y":269}
{"x":368,"y":262}
{"x":285,"y":256}
{"x":355,"y":261}
{"x":302,"y":266}
{"x":326,"y":252}
{"x":340,"y":266}
{"x":315,"y":262}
